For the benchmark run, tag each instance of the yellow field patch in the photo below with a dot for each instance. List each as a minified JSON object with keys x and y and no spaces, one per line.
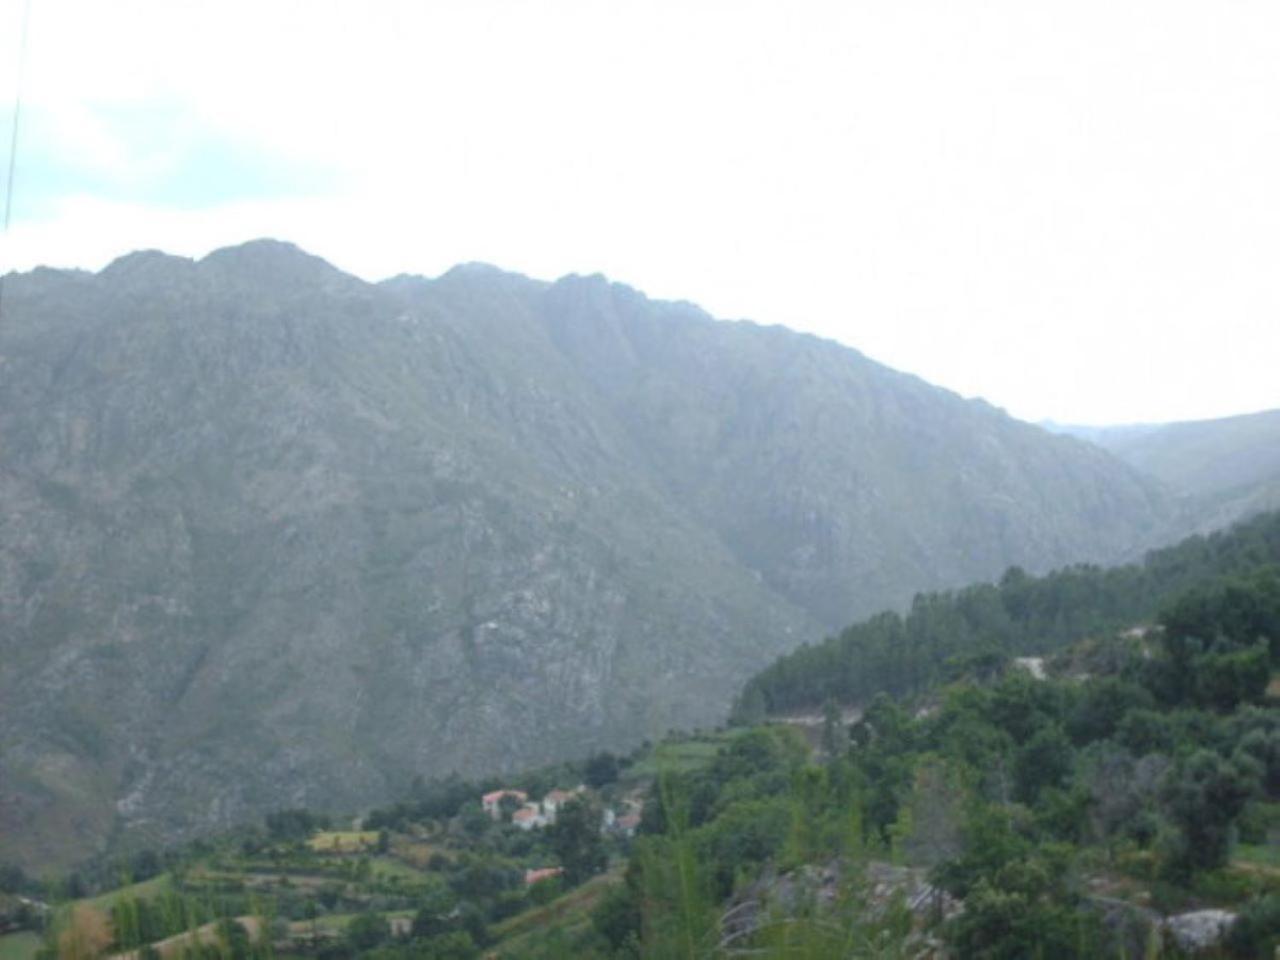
{"x":343,"y":841}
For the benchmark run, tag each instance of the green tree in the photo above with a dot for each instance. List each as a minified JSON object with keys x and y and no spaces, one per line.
{"x":1102,"y":706}
{"x":474,"y":820}
{"x":617,"y":916}
{"x":600,"y":769}
{"x":575,"y":838}
{"x":507,"y":806}
{"x":1263,"y":747}
{"x":434,"y":907}
{"x":1044,"y":761}
{"x":1203,"y":796}
{"x":367,"y":931}
{"x":1223,"y":680}
{"x":233,"y":940}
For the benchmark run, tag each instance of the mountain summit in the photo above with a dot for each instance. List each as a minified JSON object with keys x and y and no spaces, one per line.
{"x":273,"y":536}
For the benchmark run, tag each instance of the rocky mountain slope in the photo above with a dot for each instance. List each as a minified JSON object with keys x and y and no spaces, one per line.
{"x":271,"y":535}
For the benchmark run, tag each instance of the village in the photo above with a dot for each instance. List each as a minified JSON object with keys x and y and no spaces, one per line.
{"x":514,"y":806}
{"x":482,"y":863}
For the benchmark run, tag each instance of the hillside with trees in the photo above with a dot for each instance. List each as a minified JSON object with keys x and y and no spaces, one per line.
{"x":1118,"y":797}
{"x":984,"y":625}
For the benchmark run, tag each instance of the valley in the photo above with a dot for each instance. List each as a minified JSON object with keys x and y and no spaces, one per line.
{"x":273,"y":536}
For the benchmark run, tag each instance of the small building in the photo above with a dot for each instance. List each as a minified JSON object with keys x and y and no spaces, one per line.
{"x":544,"y":873}
{"x":555,"y":799}
{"x":627,"y":824}
{"x":528,"y":817}
{"x":492,"y":802}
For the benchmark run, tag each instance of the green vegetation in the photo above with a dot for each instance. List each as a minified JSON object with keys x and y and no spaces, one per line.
{"x":19,"y":946}
{"x":977,"y":629}
{"x":143,"y":890}
{"x":1264,"y":854}
{"x":677,"y":756}
{"x":563,"y":921}
{"x":1001,"y":810}
{"x":1057,"y":812}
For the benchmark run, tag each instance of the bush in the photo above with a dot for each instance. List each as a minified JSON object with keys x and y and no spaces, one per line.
{"x":617,"y":916}
{"x":1257,"y":931}
{"x":368,"y":930}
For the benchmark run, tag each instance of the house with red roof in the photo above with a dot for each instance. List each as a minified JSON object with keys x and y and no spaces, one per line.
{"x":545,"y":873}
{"x":528,"y":817}
{"x":492,"y":802}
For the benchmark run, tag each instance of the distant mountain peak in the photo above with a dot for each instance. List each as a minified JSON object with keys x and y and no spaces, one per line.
{"x":474,"y":268}
{"x":143,"y":264}
{"x":271,"y":260}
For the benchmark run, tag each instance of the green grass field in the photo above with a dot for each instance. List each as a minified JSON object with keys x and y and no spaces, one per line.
{"x":1259,"y":855}
{"x":19,"y":946}
{"x":147,"y":888}
{"x":385,"y":868}
{"x":678,"y":757}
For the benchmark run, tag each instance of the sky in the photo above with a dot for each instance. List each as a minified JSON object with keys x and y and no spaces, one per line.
{"x":1069,"y":209}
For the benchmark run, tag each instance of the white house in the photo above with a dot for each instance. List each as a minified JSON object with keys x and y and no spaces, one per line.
{"x":528,"y":817}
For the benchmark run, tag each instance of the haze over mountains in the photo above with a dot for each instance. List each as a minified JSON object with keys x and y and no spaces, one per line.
{"x":271,"y":535}
{"x":1229,"y":467}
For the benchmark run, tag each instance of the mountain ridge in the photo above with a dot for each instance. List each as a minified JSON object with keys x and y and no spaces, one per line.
{"x":271,"y":532}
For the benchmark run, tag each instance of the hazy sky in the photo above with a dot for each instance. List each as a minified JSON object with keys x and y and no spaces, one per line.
{"x":1069,"y":208}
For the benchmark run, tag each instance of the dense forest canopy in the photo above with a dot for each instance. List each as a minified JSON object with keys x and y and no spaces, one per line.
{"x":1022,"y":615}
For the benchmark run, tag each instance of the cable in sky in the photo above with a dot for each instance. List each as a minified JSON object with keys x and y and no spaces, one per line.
{"x":13,"y":136}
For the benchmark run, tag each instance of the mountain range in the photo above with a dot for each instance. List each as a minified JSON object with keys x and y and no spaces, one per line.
{"x":274,"y":536}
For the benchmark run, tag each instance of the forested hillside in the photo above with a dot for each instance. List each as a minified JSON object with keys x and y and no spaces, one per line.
{"x":1022,"y":615}
{"x":1123,"y":801}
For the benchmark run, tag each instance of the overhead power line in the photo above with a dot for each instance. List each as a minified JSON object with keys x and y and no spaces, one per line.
{"x":13,"y":135}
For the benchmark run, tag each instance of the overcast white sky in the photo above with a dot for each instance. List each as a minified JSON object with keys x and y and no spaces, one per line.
{"x":1071,"y":209}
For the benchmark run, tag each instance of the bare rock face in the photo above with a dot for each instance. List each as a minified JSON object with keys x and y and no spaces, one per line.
{"x":271,"y":535}
{"x":1200,"y":930}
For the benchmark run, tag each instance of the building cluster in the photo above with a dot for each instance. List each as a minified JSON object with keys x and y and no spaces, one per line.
{"x":530,"y":814}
